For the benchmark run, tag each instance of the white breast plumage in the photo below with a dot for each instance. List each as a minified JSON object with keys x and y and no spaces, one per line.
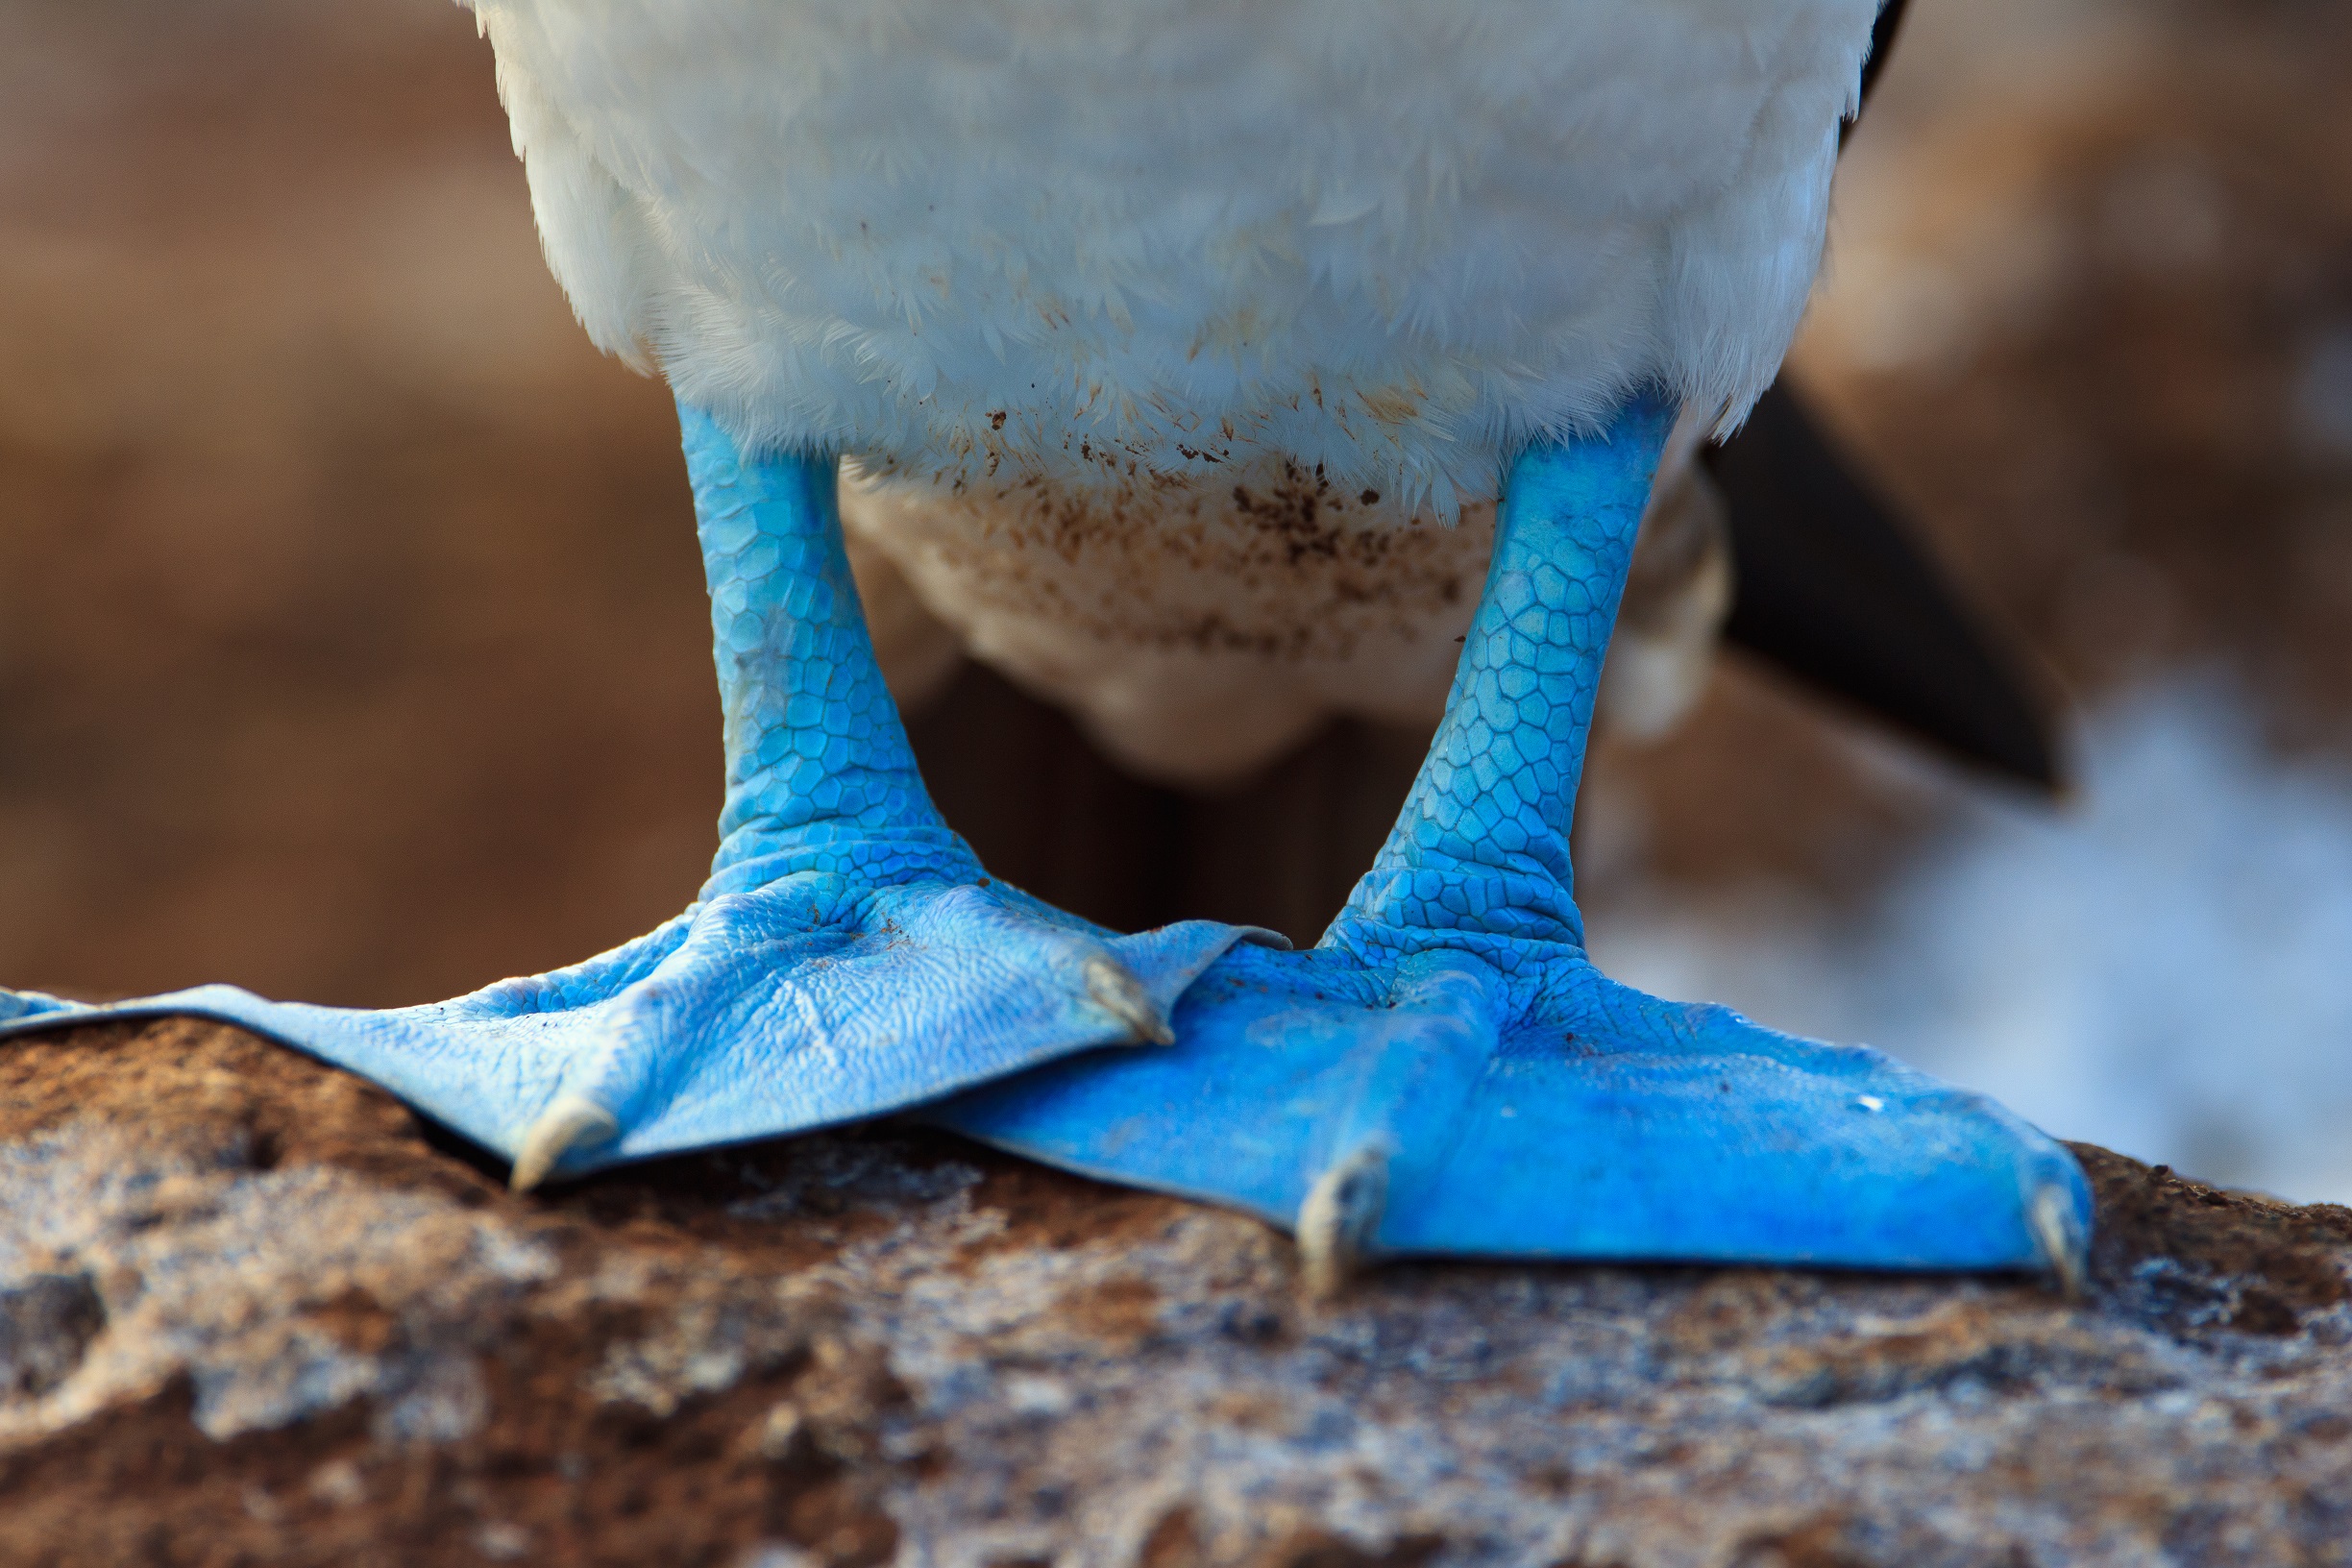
{"x":1128,"y":249}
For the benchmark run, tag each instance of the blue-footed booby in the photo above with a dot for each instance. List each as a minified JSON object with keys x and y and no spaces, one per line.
{"x":1195,"y":360}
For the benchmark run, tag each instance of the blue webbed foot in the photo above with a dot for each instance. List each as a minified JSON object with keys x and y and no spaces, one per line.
{"x":1447,"y":1073}
{"x":1433,"y":1105}
{"x":29,"y":1007}
{"x":847,"y":957}
{"x":812,"y":1000}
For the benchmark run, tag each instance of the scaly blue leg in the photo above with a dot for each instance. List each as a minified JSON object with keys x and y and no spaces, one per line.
{"x":1447,"y":1073}
{"x":848,"y":955}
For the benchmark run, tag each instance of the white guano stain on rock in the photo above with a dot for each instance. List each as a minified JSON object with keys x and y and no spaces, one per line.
{"x":205,"y":1267}
{"x":886,"y":1347}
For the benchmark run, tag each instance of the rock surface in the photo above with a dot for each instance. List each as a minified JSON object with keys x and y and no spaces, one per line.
{"x":253,"y":1311}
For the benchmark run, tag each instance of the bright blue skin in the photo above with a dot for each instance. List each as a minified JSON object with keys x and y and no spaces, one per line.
{"x":1450,"y":1024}
{"x":848,"y":958}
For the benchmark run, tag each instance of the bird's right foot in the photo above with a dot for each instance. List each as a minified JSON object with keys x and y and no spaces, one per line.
{"x":848,"y":956}
{"x":817,"y":998}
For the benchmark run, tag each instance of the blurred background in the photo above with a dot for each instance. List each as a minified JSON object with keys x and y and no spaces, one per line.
{"x":353,"y":644}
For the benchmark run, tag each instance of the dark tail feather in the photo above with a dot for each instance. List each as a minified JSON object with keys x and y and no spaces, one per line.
{"x":1832,"y":589}
{"x":1882,"y":50}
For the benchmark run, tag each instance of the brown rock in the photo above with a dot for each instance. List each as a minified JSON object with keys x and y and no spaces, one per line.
{"x":251,"y":1310}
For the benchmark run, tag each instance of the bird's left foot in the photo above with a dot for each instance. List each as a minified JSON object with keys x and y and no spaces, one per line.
{"x":1447,"y":1073}
{"x":1387,"y":1099}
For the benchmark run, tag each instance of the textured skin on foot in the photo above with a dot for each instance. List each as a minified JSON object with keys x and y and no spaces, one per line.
{"x":819,"y":777}
{"x":847,"y":957}
{"x":1519,"y":1102}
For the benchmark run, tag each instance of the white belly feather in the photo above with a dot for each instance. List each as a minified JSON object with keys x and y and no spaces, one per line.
{"x":1118,"y":262}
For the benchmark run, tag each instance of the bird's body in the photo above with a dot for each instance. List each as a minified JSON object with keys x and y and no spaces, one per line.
{"x":1118,"y":244}
{"x":1167,"y":340}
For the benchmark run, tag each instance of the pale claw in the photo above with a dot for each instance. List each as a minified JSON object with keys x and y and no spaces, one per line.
{"x":1119,"y":993}
{"x":1337,"y":1221}
{"x":2065,"y":1248}
{"x":571,"y":1120}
